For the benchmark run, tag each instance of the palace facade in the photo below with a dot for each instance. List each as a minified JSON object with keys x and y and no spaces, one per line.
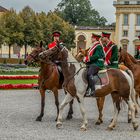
{"x":127,"y":27}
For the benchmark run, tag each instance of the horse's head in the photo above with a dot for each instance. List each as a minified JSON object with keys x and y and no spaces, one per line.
{"x":55,"y":54}
{"x":33,"y":56}
{"x":122,"y":55}
{"x":81,"y":54}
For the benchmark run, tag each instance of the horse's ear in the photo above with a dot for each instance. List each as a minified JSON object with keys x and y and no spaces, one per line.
{"x":41,"y":44}
{"x":120,"y":49}
{"x":87,"y":50}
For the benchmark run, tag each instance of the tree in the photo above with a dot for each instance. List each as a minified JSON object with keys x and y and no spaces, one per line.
{"x":52,"y":22}
{"x":1,"y":32}
{"x":12,"y":29}
{"x":32,"y":27}
{"x":80,"y":12}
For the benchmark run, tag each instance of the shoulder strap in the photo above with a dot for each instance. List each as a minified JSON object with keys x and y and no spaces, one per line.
{"x":93,"y":48}
{"x":109,"y":49}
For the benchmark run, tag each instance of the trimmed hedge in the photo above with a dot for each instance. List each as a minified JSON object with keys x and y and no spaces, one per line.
{"x":11,"y":61}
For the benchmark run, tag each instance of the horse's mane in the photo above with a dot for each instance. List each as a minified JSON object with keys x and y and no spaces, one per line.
{"x":132,"y":58}
{"x":70,"y":56}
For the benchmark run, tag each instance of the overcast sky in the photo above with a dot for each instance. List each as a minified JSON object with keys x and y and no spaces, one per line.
{"x":104,"y":7}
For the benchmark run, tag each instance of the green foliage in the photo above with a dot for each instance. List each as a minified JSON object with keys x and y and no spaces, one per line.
{"x":80,"y":12}
{"x":51,"y":23}
{"x":12,"y":27}
{"x":28,"y":28}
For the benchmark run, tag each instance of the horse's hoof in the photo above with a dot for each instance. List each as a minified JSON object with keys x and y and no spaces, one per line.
{"x":38,"y":119}
{"x":69,"y":117}
{"x":83,"y":129}
{"x":59,"y":125}
{"x":98,"y":122}
{"x":129,"y":120}
{"x":135,"y":126}
{"x":109,"y":128}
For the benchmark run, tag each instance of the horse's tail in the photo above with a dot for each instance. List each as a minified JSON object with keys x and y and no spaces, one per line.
{"x":133,"y":92}
{"x":131,"y":75}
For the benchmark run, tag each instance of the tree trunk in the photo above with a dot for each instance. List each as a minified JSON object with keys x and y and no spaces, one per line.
{"x":25,"y":51}
{"x":10,"y":51}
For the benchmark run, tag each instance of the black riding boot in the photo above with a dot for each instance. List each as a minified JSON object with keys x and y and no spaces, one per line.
{"x":92,"y":85}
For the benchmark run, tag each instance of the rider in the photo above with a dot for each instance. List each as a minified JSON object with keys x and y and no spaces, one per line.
{"x":110,"y":51}
{"x":95,"y":62}
{"x":56,"y":39}
{"x":56,"y":36}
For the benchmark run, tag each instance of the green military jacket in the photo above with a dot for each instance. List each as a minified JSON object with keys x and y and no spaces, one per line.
{"x":97,"y":57}
{"x":114,"y":57}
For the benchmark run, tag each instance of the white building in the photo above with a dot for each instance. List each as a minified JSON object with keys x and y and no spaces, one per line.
{"x":127,"y":24}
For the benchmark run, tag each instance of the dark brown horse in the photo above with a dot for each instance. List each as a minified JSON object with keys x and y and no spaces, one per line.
{"x":49,"y":79}
{"x":134,"y":66}
{"x":120,"y":86}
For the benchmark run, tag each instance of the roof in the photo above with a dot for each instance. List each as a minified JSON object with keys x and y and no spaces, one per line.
{"x":94,"y":28}
{"x":2,"y":9}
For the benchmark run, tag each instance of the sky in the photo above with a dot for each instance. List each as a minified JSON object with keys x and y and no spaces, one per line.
{"x":104,"y":7}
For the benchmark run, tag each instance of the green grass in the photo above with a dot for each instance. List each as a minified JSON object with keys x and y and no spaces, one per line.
{"x":24,"y":81}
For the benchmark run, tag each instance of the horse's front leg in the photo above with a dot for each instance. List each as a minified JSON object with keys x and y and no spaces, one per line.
{"x":42,"y":93}
{"x":55,"y":92}
{"x":66,"y":100}
{"x":100,"y":104}
{"x":83,"y":112}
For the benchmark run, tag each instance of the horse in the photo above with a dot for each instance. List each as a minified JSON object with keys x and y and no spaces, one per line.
{"x":120,"y":86}
{"x":134,"y":66}
{"x":49,"y":79}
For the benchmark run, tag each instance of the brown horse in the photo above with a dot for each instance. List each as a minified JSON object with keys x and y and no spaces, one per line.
{"x":134,"y":66}
{"x":120,"y":86}
{"x":49,"y":79}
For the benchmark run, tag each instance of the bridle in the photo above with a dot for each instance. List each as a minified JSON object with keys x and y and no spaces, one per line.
{"x":34,"y":57}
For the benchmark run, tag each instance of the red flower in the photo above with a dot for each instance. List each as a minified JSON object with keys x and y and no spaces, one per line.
{"x":17,"y":86}
{"x":19,"y":77}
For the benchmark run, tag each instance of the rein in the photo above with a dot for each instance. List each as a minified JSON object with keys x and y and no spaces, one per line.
{"x":75,"y":74}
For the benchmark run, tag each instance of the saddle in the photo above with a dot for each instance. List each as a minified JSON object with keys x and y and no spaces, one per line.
{"x":100,"y":79}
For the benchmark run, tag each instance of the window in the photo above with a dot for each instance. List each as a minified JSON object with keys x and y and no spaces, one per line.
{"x":138,"y":20}
{"x":125,"y":19}
{"x":137,"y":33}
{"x":138,"y":2}
{"x":125,"y":33}
{"x":126,"y":2}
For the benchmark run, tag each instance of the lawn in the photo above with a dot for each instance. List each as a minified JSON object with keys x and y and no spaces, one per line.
{"x":24,"y":81}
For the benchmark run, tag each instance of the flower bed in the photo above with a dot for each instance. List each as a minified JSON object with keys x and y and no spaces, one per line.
{"x":18,"y":77}
{"x":17,"y":86}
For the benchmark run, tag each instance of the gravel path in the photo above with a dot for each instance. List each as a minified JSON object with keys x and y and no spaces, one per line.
{"x":19,"y":109}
